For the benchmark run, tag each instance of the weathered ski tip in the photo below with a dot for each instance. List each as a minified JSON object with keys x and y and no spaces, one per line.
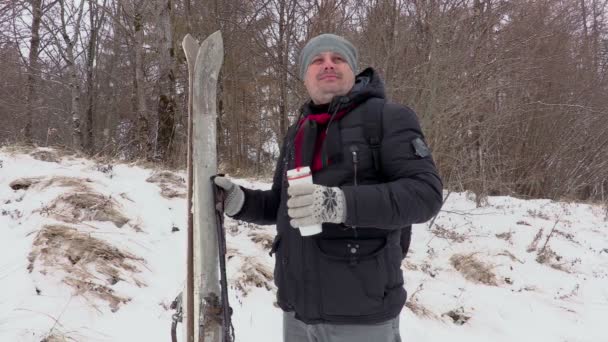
{"x":211,"y":55}
{"x":190,"y":46}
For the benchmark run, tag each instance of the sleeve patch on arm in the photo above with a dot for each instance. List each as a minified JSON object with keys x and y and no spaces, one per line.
{"x":420,"y":148}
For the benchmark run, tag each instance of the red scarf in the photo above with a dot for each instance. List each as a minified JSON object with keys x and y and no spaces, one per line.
{"x":310,"y":140}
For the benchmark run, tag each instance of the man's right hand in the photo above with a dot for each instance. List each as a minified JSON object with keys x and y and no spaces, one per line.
{"x":235,"y":197}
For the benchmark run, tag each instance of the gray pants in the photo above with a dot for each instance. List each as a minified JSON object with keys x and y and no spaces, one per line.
{"x":298,"y":331}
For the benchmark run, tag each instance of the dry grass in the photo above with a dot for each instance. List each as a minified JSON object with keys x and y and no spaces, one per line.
{"x":86,"y":206}
{"x":570,"y":294}
{"x":254,"y":274}
{"x":24,"y":183}
{"x":458,"y":316}
{"x":417,"y":308}
{"x":77,"y":184}
{"x":473,"y":269}
{"x":505,"y":236}
{"x":167,"y":177}
{"x":261,"y":238}
{"x":17,"y":148}
{"x":14,"y":214}
{"x":538,"y":214}
{"x":550,"y":258}
{"x":46,"y":156}
{"x":448,"y":234}
{"x":427,"y":268}
{"x":510,"y":256}
{"x":231,"y":252}
{"x":57,"y":337}
{"x":408,"y":265}
{"x":99,"y":291}
{"x":171,"y":185}
{"x":534,"y":245}
{"x":91,"y":265}
{"x":50,"y":154}
{"x":567,"y":236}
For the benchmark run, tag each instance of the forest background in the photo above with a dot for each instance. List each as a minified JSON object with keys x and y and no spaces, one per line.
{"x":512,"y":94}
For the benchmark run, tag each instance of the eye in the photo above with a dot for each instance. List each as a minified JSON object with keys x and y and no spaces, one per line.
{"x":338,"y":59}
{"x":317,"y":60}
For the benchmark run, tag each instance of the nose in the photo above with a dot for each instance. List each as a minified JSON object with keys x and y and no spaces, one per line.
{"x":328,"y":64}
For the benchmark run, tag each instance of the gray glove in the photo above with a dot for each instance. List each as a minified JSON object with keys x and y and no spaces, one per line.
{"x":235,"y":197}
{"x":314,"y":204}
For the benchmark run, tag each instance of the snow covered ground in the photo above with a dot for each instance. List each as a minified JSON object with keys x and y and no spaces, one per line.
{"x":96,"y":253}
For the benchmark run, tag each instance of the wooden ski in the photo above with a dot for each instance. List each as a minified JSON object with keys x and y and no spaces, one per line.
{"x":202,"y":281}
{"x":190,"y":46}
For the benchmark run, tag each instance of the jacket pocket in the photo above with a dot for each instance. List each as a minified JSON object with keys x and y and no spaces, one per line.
{"x":353,"y":276}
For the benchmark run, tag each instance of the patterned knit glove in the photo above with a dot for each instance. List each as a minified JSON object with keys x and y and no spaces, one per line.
{"x":314,"y":204}
{"x":235,"y":198}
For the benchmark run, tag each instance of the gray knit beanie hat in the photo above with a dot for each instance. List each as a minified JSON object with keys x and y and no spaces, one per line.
{"x":324,"y":43}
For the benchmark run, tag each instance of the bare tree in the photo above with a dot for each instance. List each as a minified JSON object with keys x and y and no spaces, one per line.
{"x":143,"y":121}
{"x":70,"y":16}
{"x":166,"y":99}
{"x":33,"y":73}
{"x":96,"y":20}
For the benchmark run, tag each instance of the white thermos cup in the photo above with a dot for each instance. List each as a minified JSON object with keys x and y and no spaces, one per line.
{"x":302,"y":175}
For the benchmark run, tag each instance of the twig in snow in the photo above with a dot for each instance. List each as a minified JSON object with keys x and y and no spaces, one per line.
{"x":542,"y":250}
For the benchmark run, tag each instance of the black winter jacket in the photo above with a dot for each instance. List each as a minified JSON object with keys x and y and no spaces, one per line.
{"x":350,"y":273}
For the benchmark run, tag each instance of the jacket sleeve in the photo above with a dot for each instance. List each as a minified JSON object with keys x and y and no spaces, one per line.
{"x":261,"y":206}
{"x":412,"y":192}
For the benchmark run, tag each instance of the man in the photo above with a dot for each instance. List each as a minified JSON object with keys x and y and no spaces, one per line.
{"x":344,"y":284}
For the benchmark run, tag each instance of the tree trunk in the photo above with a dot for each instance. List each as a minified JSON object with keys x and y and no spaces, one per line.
{"x":34,"y":72}
{"x":143,"y":123}
{"x":75,"y":110}
{"x":282,"y":56}
{"x":70,"y":42}
{"x":95,"y":22}
{"x":166,"y":100}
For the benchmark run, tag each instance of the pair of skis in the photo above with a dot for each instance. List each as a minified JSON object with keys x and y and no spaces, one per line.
{"x":204,"y":303}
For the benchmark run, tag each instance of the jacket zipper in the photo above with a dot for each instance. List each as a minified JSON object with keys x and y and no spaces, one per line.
{"x":353,"y":150}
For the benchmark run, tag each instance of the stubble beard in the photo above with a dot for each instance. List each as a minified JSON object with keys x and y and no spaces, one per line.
{"x":326,"y":94}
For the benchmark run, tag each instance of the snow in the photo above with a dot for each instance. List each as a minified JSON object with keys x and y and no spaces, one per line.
{"x":564,"y":299}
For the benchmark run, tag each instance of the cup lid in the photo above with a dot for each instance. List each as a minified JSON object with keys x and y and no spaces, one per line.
{"x":298,"y":171}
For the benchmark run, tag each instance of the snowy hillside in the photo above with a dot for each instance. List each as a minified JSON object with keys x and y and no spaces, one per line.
{"x":95,"y":252}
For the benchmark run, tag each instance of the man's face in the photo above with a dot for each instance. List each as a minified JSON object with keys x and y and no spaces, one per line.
{"x":328,"y":75}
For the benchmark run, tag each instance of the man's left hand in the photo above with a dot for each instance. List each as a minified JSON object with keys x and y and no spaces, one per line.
{"x":311,"y":204}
